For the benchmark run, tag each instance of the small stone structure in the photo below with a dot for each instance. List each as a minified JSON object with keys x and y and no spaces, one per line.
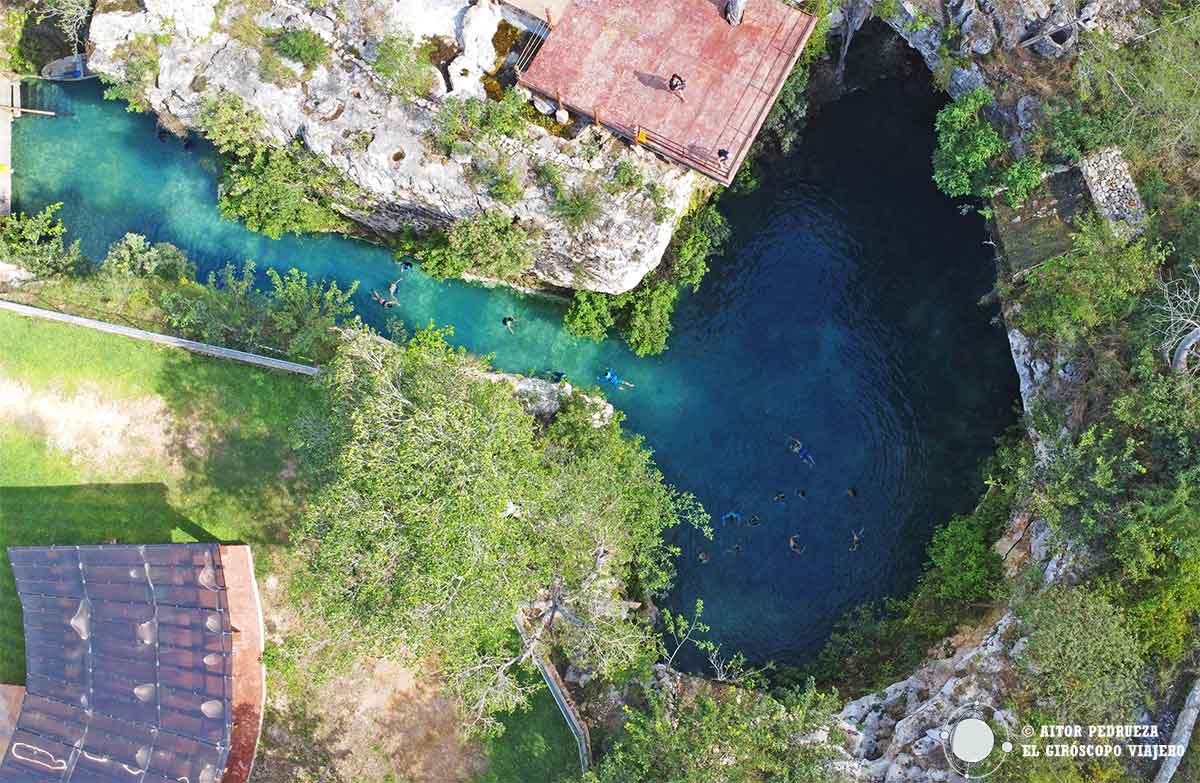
{"x":1113,"y":191}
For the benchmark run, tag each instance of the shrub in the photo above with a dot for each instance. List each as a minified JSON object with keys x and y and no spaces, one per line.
{"x":503,"y":182}
{"x":1095,"y":284}
{"x":403,"y":67}
{"x":1074,"y":132}
{"x":577,"y":207}
{"x":489,"y":243}
{"x":1022,"y":178}
{"x":280,"y":191}
{"x":303,"y":46}
{"x":966,"y":145}
{"x":590,"y":315}
{"x":549,"y":175}
{"x":232,"y":127}
{"x":37,"y":243}
{"x":626,"y":177}
{"x":134,"y":256}
{"x":140,"y":68}
{"x":967,"y":570}
{"x":748,"y":736}
{"x":458,"y":120}
{"x":1084,"y":678}
{"x":700,"y":235}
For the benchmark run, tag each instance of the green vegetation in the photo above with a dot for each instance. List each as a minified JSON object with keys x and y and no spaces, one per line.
{"x":643,"y":315}
{"x":273,"y":190}
{"x":303,"y":46}
{"x":232,"y":485}
{"x":139,"y":56}
{"x":471,"y":120}
{"x":1094,"y":285}
{"x":626,"y":177}
{"x":491,"y":244}
{"x":967,"y":143}
{"x":404,"y":67}
{"x":1087,"y":677}
{"x":282,"y":190}
{"x":37,"y":244}
{"x":433,"y":464}
{"x":1022,"y":178}
{"x":154,"y":287}
{"x":874,"y":645}
{"x":722,"y":734}
{"x":577,"y":207}
{"x":536,"y":745}
{"x":504,"y":183}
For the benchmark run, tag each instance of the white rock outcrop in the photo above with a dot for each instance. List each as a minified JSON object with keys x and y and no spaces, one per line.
{"x":380,"y":142}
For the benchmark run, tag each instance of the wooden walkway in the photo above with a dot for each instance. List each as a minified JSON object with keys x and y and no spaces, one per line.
{"x":161,"y":339}
{"x":10,"y":107}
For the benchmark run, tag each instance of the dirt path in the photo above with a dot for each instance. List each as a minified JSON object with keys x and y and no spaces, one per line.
{"x":121,"y":436}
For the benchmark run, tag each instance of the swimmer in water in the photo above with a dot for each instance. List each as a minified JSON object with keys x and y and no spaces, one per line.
{"x":731,"y":517}
{"x":852,"y":492}
{"x":703,"y":557}
{"x":794,"y":544}
{"x":508,"y":322}
{"x":801,"y":493}
{"x":612,"y":378}
{"x":856,"y":537}
{"x":755,"y":520}
{"x":798,"y":448}
{"x":780,"y":497}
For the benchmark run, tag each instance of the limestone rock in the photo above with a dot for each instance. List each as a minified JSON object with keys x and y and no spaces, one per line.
{"x":405,"y":182}
{"x":1113,"y":191}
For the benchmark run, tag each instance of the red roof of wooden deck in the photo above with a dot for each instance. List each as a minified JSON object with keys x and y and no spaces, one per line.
{"x":613,"y":59}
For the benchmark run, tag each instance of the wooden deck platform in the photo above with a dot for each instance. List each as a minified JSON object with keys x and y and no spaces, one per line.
{"x":10,"y":107}
{"x":612,"y":59}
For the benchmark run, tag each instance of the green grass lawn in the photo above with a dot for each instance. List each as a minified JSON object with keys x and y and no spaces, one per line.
{"x":235,"y":483}
{"x":536,"y":745}
{"x":235,"y":486}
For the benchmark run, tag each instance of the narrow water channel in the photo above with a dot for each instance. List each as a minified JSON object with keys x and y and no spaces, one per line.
{"x":844,"y":315}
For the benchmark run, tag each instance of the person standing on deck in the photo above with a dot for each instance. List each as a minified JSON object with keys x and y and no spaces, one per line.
{"x":676,"y":85}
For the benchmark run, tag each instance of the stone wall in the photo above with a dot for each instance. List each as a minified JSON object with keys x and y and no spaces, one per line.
{"x":406,"y":181}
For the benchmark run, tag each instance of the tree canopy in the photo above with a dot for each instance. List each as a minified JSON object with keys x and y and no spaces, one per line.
{"x":450,"y":509}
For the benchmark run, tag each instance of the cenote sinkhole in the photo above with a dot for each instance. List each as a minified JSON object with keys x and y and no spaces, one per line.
{"x":843,"y":314}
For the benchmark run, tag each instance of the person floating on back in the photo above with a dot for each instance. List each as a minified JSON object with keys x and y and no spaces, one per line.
{"x":856,"y":537}
{"x":794,"y":544}
{"x":611,"y":378}
{"x":676,"y":85}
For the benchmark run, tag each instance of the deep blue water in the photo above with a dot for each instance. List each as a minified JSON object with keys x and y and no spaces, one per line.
{"x":844,"y":314}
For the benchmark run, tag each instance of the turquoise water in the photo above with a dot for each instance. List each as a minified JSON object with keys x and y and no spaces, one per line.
{"x":844,"y":315}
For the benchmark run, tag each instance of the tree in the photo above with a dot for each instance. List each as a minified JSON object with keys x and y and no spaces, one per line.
{"x":134,"y":256}
{"x":1178,"y":313}
{"x":966,"y":145}
{"x":37,"y":243}
{"x":490,"y":243}
{"x":232,"y":127}
{"x":590,"y":315}
{"x":71,"y":16}
{"x":451,"y":512}
{"x":723,"y":735}
{"x":280,"y":191}
{"x":303,"y":315}
{"x":1083,"y":678}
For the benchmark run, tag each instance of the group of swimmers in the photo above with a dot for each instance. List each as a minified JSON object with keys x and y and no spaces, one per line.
{"x":390,"y":301}
{"x":797,"y":447}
